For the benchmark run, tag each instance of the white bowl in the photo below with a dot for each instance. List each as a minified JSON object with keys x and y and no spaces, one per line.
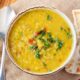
{"x":70,"y":25}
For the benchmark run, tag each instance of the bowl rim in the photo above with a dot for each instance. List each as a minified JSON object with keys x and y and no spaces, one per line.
{"x":64,"y":17}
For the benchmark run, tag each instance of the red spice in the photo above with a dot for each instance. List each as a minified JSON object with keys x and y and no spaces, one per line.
{"x":31,"y":41}
{"x":36,"y":34}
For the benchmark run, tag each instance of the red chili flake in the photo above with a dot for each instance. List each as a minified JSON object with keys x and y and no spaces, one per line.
{"x":36,"y":34}
{"x":31,"y":41}
{"x":78,"y":69}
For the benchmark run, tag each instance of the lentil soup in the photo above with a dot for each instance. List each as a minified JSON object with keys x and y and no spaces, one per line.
{"x":40,"y":41}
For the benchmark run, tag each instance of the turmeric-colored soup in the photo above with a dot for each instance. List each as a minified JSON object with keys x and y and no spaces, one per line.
{"x":40,"y":41}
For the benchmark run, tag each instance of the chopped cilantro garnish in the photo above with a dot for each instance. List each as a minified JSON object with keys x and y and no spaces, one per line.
{"x":46,"y":43}
{"x":37,"y":53}
{"x":50,"y":38}
{"x":61,"y":28}
{"x":20,"y":33}
{"x":44,"y":64}
{"x":42,"y":33}
{"x":49,"y":17}
{"x":67,"y":32}
{"x":60,"y":44}
{"x":46,"y":40}
{"x":33,"y":47}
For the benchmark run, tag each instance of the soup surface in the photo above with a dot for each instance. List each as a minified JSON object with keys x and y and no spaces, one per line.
{"x":40,"y":41}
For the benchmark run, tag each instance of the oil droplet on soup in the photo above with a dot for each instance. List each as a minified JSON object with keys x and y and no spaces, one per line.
{"x":39,"y":40}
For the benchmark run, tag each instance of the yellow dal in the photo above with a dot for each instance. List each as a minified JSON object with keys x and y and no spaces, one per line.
{"x":24,"y":28}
